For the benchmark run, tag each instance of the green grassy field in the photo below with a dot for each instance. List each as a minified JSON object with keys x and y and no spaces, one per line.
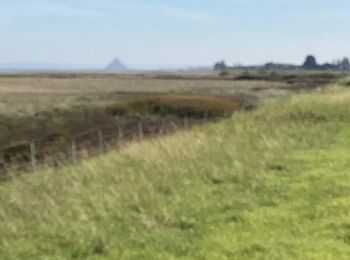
{"x":273,"y":183}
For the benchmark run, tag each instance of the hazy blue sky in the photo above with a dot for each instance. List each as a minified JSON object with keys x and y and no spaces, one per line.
{"x":153,"y":33}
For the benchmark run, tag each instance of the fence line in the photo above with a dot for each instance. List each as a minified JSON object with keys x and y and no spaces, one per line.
{"x":37,"y":153}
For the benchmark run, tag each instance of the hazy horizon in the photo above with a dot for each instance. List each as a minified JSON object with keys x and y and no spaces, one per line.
{"x":166,"y":34}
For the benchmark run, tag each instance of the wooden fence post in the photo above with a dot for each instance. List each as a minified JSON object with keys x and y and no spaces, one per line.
{"x":185,"y":121}
{"x":161,"y":129}
{"x":74,"y":150}
{"x":205,"y":116}
{"x":140,"y":130}
{"x":33,"y":156}
{"x":120,"y":135}
{"x":100,"y":141}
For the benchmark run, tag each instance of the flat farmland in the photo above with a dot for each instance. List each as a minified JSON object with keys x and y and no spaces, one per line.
{"x":37,"y":105}
{"x":25,"y":95}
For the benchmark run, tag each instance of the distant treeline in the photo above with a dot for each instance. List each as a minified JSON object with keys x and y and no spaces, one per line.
{"x":310,"y":63}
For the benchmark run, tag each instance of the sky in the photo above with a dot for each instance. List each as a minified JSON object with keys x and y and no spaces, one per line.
{"x":172,"y":33}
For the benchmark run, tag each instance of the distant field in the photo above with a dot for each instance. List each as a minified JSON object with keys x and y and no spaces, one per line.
{"x":36,"y":105}
{"x":26,"y":95}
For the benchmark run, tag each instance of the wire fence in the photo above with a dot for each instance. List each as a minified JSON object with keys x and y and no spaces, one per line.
{"x":35,"y":154}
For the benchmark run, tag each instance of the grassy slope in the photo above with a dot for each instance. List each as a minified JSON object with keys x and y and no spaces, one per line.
{"x":271,"y":184}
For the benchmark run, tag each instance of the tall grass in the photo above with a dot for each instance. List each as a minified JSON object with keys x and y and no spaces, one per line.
{"x":180,"y":106}
{"x":268,"y":184}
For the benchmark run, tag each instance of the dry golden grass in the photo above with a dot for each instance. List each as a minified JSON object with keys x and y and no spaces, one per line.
{"x":26,"y":95}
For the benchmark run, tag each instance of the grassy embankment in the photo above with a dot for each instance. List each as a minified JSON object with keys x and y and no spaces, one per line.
{"x":269,"y":184}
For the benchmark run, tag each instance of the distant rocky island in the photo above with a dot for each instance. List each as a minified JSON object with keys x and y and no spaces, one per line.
{"x":116,"y":66}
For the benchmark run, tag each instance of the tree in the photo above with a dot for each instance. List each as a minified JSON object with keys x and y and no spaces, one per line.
{"x":344,"y":64}
{"x":310,"y":62}
{"x":220,"y":66}
{"x":223,"y":73}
